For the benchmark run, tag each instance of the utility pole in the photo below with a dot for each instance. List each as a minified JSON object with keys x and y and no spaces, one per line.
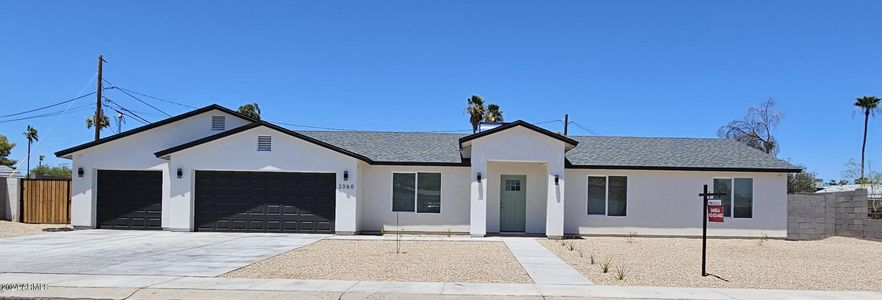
{"x":96,"y":121}
{"x":566,"y":123}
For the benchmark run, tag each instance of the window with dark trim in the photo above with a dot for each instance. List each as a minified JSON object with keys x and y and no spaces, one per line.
{"x":738,"y":201}
{"x":416,"y":192}
{"x":608,"y":195}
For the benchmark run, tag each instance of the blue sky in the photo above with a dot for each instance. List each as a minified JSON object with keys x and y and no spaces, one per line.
{"x":631,"y":68}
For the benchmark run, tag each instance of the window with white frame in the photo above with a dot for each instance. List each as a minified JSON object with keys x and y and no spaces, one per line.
{"x":738,"y":201}
{"x":419,"y":192}
{"x":608,"y":195}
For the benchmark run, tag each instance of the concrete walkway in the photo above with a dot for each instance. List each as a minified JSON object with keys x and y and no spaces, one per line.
{"x":543,"y":266}
{"x":171,"y":287}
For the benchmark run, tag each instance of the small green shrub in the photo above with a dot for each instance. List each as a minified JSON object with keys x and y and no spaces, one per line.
{"x":604,"y":265}
{"x":631,"y":236}
{"x":621,"y":270}
{"x":763,"y":239}
{"x":449,"y":233}
{"x":382,"y":231}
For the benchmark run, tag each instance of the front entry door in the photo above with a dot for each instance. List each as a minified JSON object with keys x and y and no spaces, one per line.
{"x":512,"y":203}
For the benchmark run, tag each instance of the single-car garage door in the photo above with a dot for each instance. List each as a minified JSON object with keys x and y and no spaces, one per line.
{"x":129,"y":199}
{"x":265,"y":201}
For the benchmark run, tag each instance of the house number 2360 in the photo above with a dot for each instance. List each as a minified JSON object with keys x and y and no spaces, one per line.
{"x":344,"y":186}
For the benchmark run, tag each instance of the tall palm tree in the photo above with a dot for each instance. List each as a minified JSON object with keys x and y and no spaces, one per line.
{"x":493,"y":114}
{"x":476,"y":110}
{"x":31,"y":135}
{"x":251,"y":110}
{"x":869,"y":105}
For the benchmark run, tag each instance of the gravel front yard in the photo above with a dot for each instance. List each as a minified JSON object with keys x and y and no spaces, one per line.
{"x":435,"y":261}
{"x":832,"y":264}
{"x":11,"y":229}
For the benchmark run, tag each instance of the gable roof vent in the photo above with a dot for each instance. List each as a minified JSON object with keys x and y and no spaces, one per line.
{"x":218,"y":123}
{"x":264,"y":143}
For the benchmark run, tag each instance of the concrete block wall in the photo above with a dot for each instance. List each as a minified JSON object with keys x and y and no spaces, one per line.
{"x":818,"y":216}
{"x":808,"y":217}
{"x":8,"y":198}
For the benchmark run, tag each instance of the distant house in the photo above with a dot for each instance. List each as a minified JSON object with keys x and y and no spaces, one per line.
{"x":213,"y":169}
{"x":872,"y":189}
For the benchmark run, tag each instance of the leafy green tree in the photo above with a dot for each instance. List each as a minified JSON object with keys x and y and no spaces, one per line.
{"x":869,"y":105}
{"x":476,"y":110}
{"x":251,"y":110}
{"x":31,"y":135}
{"x":5,"y":150}
{"x":755,"y":130}
{"x":493,"y":114}
{"x":57,"y":171}
{"x":802,"y":182}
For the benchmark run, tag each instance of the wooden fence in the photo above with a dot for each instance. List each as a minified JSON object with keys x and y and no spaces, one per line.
{"x":45,"y":201}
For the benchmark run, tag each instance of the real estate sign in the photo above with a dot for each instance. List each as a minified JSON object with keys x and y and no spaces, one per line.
{"x":715,"y":210}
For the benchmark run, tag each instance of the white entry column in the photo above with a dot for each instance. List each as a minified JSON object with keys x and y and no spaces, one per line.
{"x":478,"y":211}
{"x":554,"y":213}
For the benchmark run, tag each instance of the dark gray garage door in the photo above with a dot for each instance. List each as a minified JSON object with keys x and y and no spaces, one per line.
{"x":129,"y":199}
{"x":265,"y":201}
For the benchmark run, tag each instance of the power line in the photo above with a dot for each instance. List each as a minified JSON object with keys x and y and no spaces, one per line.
{"x":584,"y":128}
{"x":48,"y":114}
{"x":155,"y":98}
{"x":127,"y":110}
{"x":139,"y":99}
{"x":48,"y":106}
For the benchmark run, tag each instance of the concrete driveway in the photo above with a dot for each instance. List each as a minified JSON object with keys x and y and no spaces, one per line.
{"x":143,"y":252}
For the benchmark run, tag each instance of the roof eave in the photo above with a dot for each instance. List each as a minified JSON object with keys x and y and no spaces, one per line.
{"x":573,"y":143}
{"x":683,"y":168}
{"x":68,"y":153}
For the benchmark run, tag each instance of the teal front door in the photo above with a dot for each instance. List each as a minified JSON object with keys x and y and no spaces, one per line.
{"x":512,"y":203}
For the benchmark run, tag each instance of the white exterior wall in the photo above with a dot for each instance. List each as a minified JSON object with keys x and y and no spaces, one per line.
{"x":135,"y":152}
{"x":667,"y":203}
{"x":239,"y":153}
{"x":517,"y":144}
{"x":376,"y":201}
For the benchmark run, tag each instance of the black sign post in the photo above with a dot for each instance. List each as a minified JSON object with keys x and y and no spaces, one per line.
{"x":705,"y":196}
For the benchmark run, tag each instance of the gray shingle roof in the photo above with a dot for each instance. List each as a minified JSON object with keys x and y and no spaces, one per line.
{"x":593,"y":151}
{"x":670,"y":153}
{"x":395,"y":146}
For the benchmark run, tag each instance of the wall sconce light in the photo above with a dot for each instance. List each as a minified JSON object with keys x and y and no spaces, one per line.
{"x":80,"y":172}
{"x":345,"y":175}
{"x":479,"y":176}
{"x":556,"y":180}
{"x":180,"y":173}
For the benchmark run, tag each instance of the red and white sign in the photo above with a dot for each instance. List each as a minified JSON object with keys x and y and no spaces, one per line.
{"x":715,"y":211}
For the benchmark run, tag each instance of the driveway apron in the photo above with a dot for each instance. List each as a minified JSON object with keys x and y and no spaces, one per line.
{"x":143,"y":252}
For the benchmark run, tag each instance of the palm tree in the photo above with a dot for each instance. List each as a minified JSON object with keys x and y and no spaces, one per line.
{"x":869,"y":105}
{"x":104,"y":122}
{"x":31,"y":135}
{"x":476,"y":110}
{"x":251,"y":110}
{"x":493,"y":114}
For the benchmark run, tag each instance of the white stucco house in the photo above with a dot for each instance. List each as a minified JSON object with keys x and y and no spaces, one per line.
{"x":213,"y":169}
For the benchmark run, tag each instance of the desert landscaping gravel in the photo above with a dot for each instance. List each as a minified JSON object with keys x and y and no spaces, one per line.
{"x":832,"y":264}
{"x":425,"y":261}
{"x":13,"y":229}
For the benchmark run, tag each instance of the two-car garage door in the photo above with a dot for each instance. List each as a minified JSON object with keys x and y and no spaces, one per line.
{"x":225,"y":201}
{"x":265,"y":201}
